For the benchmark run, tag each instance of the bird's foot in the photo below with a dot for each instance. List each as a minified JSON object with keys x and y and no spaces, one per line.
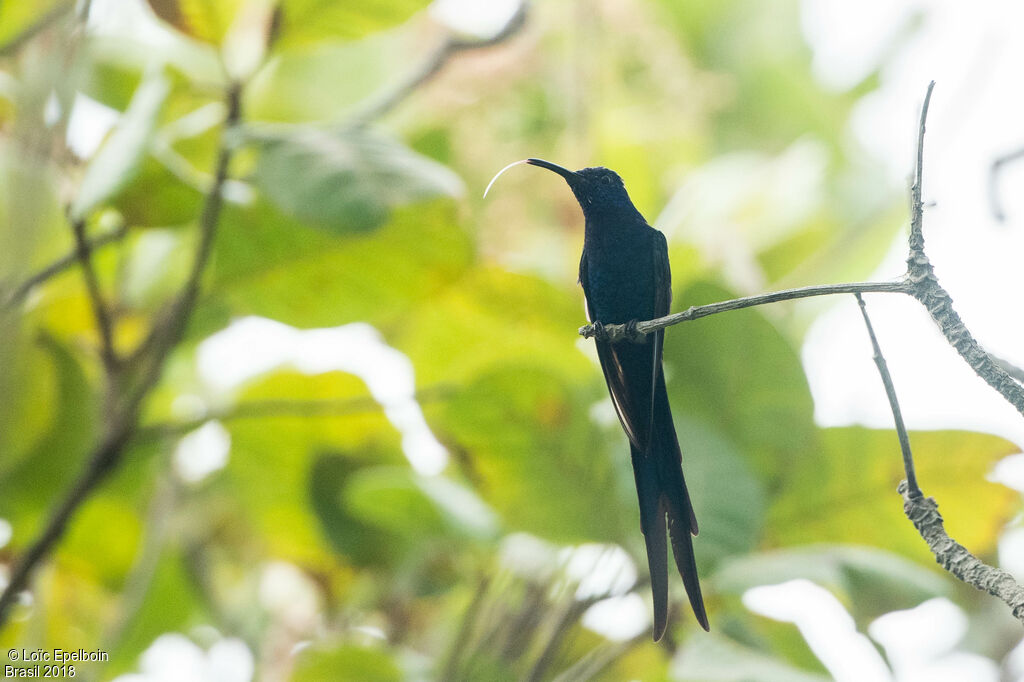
{"x":598,"y":331}
{"x":632,"y":335}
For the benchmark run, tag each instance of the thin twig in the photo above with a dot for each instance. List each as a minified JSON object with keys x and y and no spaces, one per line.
{"x":41,"y":24}
{"x":916,"y":206}
{"x":926,"y":289}
{"x":100,"y":310}
{"x":617,"y":332}
{"x":97,"y":468}
{"x":21,"y":291}
{"x":432,"y":65}
{"x":890,"y":391}
{"x":923,"y":511}
{"x":167,"y":332}
{"x":124,"y":414}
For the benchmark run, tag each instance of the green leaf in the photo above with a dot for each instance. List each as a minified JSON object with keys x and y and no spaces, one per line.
{"x":308,"y":22}
{"x":16,"y":17}
{"x":207,"y":20}
{"x":345,"y":663}
{"x":537,"y":458}
{"x":713,"y":658}
{"x":120,"y":158}
{"x":736,"y":371}
{"x":31,"y":483}
{"x":267,"y":264}
{"x":404,"y":503}
{"x":268,"y":476}
{"x":728,"y":498}
{"x":345,"y":181}
{"x":868,"y":580}
{"x":845,"y":491}
{"x":491,"y":317}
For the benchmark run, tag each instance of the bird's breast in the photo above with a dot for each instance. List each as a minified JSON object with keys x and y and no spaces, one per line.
{"x":620,"y":278}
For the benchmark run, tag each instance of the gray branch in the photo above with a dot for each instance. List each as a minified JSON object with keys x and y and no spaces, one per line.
{"x":923,"y":511}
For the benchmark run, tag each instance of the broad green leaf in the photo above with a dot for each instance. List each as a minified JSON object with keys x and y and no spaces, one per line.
{"x":16,"y":17}
{"x":307,"y":22}
{"x":31,"y":390}
{"x":491,"y":317}
{"x":404,"y":503}
{"x":170,"y":603}
{"x":270,"y":265}
{"x":736,"y":371}
{"x":728,"y":498}
{"x":345,"y":663}
{"x":119,"y":160}
{"x":714,"y":658}
{"x":272,"y":458}
{"x":33,"y":482}
{"x":345,"y":181}
{"x":289,"y":88}
{"x":868,"y":580}
{"x":846,"y":491}
{"x":112,"y":66}
{"x":207,"y":20}
{"x":536,"y":457}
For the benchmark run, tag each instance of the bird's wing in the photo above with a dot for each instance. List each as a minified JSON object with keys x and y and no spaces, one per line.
{"x":619,"y":362}
{"x":662,"y":305}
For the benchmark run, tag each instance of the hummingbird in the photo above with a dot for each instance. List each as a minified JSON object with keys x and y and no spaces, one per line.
{"x":625,"y":276}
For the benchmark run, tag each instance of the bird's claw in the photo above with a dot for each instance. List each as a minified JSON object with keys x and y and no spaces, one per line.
{"x":599,"y":332}
{"x":632,"y":334}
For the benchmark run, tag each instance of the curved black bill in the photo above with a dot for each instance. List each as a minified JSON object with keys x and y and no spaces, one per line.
{"x":564,"y":172}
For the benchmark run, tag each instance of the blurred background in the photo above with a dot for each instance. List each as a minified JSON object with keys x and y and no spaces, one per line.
{"x":380,"y":451}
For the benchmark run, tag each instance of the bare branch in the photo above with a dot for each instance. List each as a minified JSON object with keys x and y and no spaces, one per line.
{"x":99,"y":306}
{"x":890,"y":392}
{"x":432,"y":65}
{"x":916,"y":207}
{"x":123,"y":416}
{"x":21,"y":291}
{"x":923,"y":511}
{"x":925,"y":287}
{"x":95,"y":471}
{"x":618,"y":332}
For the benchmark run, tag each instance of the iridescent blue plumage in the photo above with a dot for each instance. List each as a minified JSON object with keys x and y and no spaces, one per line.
{"x":624,"y":272}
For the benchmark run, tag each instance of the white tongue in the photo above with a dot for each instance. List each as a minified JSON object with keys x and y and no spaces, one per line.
{"x":498,"y":174}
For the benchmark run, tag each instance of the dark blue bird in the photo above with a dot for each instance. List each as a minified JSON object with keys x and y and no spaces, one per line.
{"x":625,"y":277}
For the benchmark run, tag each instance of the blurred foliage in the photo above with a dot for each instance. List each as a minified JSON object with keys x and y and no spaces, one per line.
{"x":709,"y":111}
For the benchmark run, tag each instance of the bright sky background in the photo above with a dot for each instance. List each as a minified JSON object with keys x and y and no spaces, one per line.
{"x":977,"y":111}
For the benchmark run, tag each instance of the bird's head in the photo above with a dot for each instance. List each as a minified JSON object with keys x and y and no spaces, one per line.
{"x":596,"y":189}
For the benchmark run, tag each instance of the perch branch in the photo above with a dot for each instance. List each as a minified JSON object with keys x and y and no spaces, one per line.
{"x":432,"y":65}
{"x":618,"y":332}
{"x":923,"y":512}
{"x":124,"y":414}
{"x":919,"y":281}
